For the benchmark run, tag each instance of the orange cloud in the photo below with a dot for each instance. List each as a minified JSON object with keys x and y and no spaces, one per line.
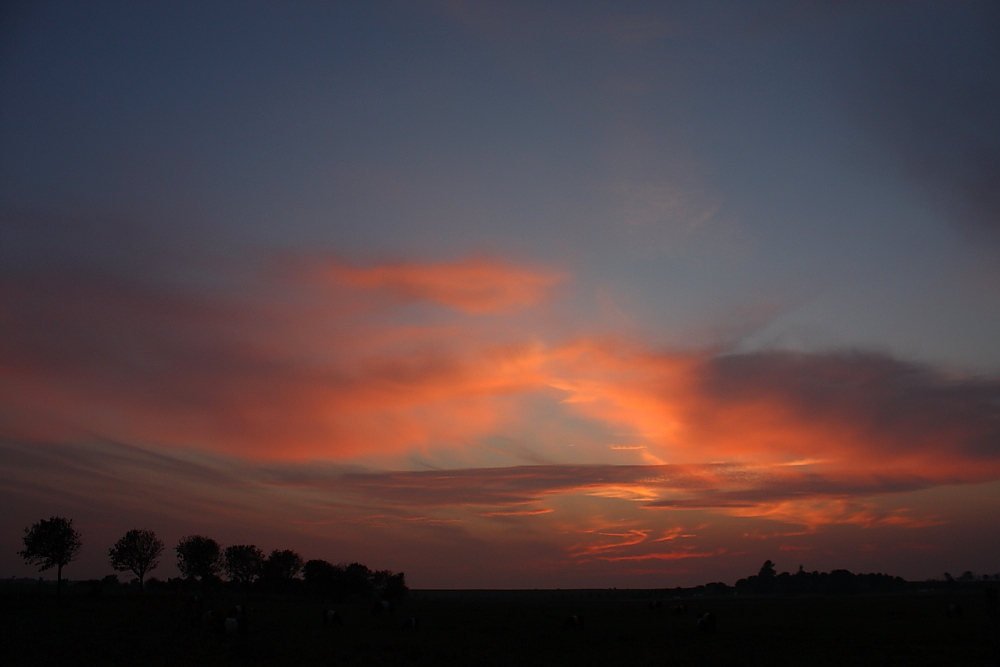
{"x":817,"y":511}
{"x":836,"y":412}
{"x":234,"y":394}
{"x":285,"y":373}
{"x":472,"y":285}
{"x":516,"y":513}
{"x":629,"y":539}
{"x":672,"y":534}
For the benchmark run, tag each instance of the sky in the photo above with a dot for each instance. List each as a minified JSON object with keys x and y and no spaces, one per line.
{"x":506,"y":294}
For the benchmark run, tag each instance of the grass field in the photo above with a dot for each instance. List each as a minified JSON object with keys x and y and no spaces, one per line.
{"x":484,"y":628}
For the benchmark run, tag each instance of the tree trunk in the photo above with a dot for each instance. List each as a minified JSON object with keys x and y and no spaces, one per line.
{"x":58,"y":579}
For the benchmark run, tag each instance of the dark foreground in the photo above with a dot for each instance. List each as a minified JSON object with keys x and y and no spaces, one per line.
{"x":472,"y":628}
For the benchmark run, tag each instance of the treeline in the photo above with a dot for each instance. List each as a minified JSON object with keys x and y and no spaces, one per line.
{"x":768,"y":582}
{"x":202,"y":559}
{"x":837,"y":582}
{"x":203,"y":562}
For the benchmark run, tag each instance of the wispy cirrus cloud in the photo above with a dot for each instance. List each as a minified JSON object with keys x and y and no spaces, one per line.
{"x":805,"y":498}
{"x":484,"y":510}
{"x":512,"y":486}
{"x":513,"y":491}
{"x":511,"y":513}
{"x":816,"y":511}
{"x":668,"y":555}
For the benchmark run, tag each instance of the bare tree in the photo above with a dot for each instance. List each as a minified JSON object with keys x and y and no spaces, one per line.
{"x":139,"y":551}
{"x":198,"y":556}
{"x":51,"y":543}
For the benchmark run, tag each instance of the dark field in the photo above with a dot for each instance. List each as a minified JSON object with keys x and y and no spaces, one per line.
{"x":506,"y":628}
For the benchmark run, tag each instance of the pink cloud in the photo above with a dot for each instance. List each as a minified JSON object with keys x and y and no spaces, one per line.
{"x":625,"y":540}
{"x":516,"y":512}
{"x":246,"y":374}
{"x":472,"y":285}
{"x":669,"y":555}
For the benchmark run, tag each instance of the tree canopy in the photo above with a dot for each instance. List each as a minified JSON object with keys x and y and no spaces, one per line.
{"x":282,"y":565}
{"x":139,"y":551}
{"x":352,"y":582}
{"x":51,"y":543}
{"x":198,"y":556}
{"x":243,"y":563}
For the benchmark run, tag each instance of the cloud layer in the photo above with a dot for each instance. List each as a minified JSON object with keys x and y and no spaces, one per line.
{"x":287,"y":370}
{"x":617,"y":521}
{"x":276,"y":395}
{"x":839,"y":410}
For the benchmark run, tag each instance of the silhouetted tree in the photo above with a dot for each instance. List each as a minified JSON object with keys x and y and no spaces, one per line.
{"x":842,"y":582}
{"x":714,"y":588}
{"x":138,"y":551}
{"x":198,"y":556}
{"x":243,"y":563}
{"x":389,"y":586}
{"x":282,"y":566}
{"x":352,"y":582}
{"x":322,"y":579}
{"x":764,"y":581}
{"x":358,"y":581}
{"x":51,"y":543}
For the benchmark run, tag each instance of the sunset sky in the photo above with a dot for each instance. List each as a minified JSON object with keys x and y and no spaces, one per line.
{"x":506,"y":294}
